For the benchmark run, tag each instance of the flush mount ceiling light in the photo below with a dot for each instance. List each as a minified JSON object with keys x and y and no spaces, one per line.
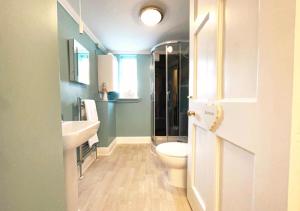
{"x":151,"y":16}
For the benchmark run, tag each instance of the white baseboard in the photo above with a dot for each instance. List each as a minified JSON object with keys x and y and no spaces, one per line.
{"x":106,"y":151}
{"x":134,"y":140}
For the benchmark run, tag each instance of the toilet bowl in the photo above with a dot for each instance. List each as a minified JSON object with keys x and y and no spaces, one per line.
{"x":174,"y":157}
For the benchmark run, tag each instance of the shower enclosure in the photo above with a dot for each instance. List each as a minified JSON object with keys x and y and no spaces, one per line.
{"x":170,"y":87}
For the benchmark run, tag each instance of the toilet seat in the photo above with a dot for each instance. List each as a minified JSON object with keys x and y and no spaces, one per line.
{"x":173,"y":149}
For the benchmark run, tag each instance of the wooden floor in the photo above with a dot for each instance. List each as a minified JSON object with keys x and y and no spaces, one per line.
{"x":131,"y":179}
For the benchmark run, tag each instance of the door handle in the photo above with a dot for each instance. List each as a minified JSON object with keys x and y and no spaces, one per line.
{"x":189,"y":97}
{"x":191,"y":113}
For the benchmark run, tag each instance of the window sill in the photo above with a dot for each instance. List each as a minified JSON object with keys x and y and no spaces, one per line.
{"x":129,"y":100}
{"x":107,"y":101}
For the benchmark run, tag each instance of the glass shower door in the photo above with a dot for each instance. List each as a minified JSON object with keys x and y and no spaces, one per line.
{"x":183,"y":91}
{"x":172,"y":91}
{"x":159,"y":95}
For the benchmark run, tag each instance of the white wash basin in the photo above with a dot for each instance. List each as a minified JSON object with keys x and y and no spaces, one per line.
{"x":75,"y":133}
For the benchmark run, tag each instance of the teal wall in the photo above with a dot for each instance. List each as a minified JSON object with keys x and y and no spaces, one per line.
{"x":119,"y":119}
{"x":31,"y":149}
{"x":107,"y":113}
{"x":134,"y":119}
{"x":68,"y":29}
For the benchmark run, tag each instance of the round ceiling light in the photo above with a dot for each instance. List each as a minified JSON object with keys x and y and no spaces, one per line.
{"x":151,"y":16}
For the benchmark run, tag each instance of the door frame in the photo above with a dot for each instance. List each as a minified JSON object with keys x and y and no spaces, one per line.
{"x":294,"y":171}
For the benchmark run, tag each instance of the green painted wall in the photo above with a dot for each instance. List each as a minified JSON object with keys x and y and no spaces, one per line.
{"x":134,"y":119}
{"x":120,"y":119}
{"x":31,"y":150}
{"x":68,"y":29}
{"x":107,"y":114}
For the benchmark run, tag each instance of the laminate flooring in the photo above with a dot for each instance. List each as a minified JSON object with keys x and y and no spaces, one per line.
{"x":131,"y":179}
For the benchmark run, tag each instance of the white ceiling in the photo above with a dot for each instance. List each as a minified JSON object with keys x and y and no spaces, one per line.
{"x":117,"y":25}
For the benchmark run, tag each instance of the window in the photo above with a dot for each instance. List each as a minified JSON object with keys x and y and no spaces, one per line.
{"x":128,"y":77}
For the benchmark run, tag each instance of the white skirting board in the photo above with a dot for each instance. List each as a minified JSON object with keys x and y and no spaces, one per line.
{"x":106,"y":151}
{"x":134,"y":140}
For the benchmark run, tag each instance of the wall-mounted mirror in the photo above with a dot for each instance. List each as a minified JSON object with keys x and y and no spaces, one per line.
{"x":79,"y":60}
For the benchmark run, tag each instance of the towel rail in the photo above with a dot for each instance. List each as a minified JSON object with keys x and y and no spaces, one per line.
{"x":83,"y":150}
{"x":80,"y":148}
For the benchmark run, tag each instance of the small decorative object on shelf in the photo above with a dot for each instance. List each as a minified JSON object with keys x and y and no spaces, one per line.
{"x":104,"y":92}
{"x":113,"y":96}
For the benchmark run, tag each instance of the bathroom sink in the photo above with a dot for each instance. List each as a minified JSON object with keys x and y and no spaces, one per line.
{"x":75,"y":133}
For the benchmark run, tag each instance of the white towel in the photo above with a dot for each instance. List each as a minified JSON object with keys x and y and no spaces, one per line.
{"x":91,"y":115}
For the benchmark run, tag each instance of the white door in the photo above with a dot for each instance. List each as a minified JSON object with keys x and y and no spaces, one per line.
{"x":238,"y":157}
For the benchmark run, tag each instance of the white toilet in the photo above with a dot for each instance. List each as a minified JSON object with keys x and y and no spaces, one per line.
{"x":174,"y":156}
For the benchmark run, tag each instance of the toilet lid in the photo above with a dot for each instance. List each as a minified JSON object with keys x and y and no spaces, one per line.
{"x":173,"y":149}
